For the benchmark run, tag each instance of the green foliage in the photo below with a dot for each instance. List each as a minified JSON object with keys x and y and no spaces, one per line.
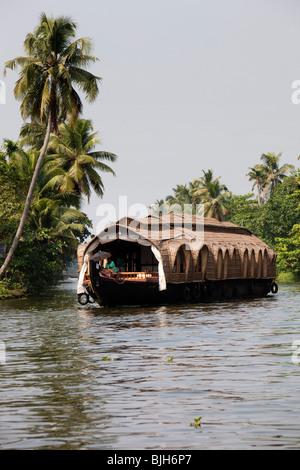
{"x":55,"y":65}
{"x":52,"y":232}
{"x":50,"y":75}
{"x":275,"y":219}
{"x":279,"y":214}
{"x":75,"y":164}
{"x":273,"y":215}
{"x":213,"y":195}
{"x":39,"y":261}
{"x":288,"y":251}
{"x":244,"y":211}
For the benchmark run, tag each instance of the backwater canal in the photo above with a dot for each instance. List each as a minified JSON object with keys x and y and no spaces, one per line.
{"x":85,"y":377}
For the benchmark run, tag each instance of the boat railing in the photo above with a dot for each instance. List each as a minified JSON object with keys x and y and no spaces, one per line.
{"x":138,"y":276}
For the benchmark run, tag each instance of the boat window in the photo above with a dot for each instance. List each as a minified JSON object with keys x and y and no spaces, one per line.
{"x":180,"y":264}
{"x":259,"y":264}
{"x":235,"y":264}
{"x":245,"y":263}
{"x":219,"y":264}
{"x":202,"y":260}
{"x":199,"y":264}
{"x":226,"y":264}
{"x":251,"y":267}
{"x":265,"y":264}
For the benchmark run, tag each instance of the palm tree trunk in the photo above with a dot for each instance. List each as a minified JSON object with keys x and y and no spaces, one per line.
{"x":16,"y":240}
{"x":258,"y":194}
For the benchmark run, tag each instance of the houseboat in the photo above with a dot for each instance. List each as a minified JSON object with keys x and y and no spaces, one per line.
{"x":174,"y":258}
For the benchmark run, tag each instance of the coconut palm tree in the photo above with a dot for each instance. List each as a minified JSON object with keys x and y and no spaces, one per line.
{"x":214,"y":196}
{"x":63,"y":223}
{"x":205,"y":180}
{"x":9,"y":147}
{"x":160,"y":207}
{"x":75,"y":162}
{"x":181,"y":195}
{"x":32,"y":135}
{"x":56,"y":64}
{"x":258,"y":175}
{"x":274,"y":173}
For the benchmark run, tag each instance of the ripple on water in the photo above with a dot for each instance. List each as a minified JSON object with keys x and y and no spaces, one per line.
{"x":88,"y":377}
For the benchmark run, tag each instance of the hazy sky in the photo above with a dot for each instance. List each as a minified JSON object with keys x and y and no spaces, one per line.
{"x":187,"y":85}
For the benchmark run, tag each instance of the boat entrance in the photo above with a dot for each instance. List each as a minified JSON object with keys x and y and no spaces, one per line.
{"x":130,"y":257}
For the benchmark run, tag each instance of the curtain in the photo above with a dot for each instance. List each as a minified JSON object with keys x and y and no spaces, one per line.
{"x":80,"y":287}
{"x":161,"y":274}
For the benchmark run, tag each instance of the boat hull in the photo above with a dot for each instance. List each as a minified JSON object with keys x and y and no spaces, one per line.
{"x":108,"y":292}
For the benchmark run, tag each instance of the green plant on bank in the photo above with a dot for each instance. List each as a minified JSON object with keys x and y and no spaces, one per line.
{"x":10,"y":288}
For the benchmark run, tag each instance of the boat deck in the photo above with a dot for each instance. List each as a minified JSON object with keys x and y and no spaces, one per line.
{"x":133,"y":276}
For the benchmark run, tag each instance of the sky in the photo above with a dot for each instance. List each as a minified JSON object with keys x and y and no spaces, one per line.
{"x":187,"y":86}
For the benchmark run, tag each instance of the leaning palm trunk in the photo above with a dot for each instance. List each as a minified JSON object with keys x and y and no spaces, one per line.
{"x":29,"y":197}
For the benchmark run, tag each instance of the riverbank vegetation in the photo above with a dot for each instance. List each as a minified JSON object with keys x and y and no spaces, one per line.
{"x":54,"y":162}
{"x":272,"y":212}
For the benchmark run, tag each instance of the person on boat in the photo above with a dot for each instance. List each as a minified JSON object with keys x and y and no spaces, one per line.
{"x":111,"y":265}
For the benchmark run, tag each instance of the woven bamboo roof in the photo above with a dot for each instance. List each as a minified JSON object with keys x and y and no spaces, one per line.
{"x":172,"y":230}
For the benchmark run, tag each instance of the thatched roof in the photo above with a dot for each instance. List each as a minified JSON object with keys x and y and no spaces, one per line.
{"x":171,"y":230}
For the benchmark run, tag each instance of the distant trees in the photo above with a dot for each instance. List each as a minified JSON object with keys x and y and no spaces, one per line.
{"x":273,"y":215}
{"x":267,"y":175}
{"x":206,"y":191}
{"x":214,"y":196}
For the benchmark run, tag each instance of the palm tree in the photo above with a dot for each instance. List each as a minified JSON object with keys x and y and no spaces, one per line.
{"x":75,"y":162}
{"x":54,"y":65}
{"x":47,"y":210}
{"x":63,"y":223}
{"x":181,"y":195}
{"x":257,"y":174}
{"x":9,"y":147}
{"x":160,"y":207}
{"x":205,"y":180}
{"x":212,"y":194}
{"x":32,"y":135}
{"x":274,"y":173}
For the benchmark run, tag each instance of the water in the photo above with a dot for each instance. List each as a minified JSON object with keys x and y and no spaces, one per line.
{"x":77,"y":377}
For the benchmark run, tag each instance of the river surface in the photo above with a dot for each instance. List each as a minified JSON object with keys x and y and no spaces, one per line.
{"x":85,"y":377}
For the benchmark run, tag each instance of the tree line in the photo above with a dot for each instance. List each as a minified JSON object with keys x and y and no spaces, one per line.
{"x":272,"y":212}
{"x":54,"y":163}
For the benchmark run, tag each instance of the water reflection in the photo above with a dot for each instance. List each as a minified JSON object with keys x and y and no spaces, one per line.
{"x":94,"y":378}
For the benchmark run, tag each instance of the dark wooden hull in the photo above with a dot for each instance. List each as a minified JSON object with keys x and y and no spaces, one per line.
{"x":109,"y":292}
